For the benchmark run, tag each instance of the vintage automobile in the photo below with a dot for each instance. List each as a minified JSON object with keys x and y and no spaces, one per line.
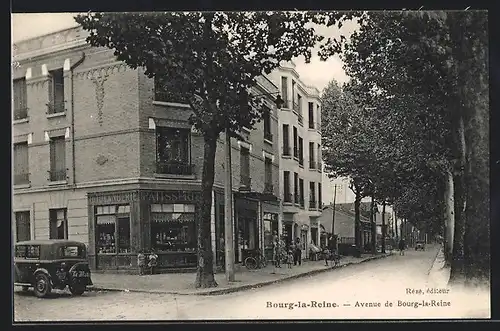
{"x":51,"y":264}
{"x":420,"y":245}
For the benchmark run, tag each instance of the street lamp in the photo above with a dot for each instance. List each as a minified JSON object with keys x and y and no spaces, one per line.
{"x":228,"y":199}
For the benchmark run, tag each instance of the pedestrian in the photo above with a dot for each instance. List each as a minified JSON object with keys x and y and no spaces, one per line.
{"x":141,"y":261}
{"x":290,"y":259}
{"x":326,"y":254}
{"x":298,"y":252}
{"x":402,"y":246}
{"x":153,"y":261}
{"x":276,"y":251}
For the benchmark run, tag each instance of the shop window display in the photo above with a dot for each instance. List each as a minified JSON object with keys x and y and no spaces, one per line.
{"x":113,"y":229}
{"x":173,"y":227}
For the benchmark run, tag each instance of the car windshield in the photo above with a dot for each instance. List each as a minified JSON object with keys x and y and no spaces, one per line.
{"x":72,"y":251}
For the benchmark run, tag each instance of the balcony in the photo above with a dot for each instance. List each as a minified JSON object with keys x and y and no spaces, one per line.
{"x":21,"y":179}
{"x":288,"y":197}
{"x":296,"y":198}
{"x":245,"y":183}
{"x":311,"y":124}
{"x":296,"y":153}
{"x":287,"y":151}
{"x":55,"y":107}
{"x":169,"y":97}
{"x":20,"y":114}
{"x":300,"y":119}
{"x":268,"y":136}
{"x":312,"y":205}
{"x":174,"y":168}
{"x":268,"y":188}
{"x":301,"y":161}
{"x":57,"y":175}
{"x":312,"y":165}
{"x":301,"y":202}
{"x":296,"y":106}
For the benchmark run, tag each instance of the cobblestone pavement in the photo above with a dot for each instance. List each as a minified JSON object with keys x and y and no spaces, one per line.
{"x":371,"y":283}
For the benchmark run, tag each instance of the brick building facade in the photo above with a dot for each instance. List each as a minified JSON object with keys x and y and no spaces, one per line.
{"x":102,"y":157}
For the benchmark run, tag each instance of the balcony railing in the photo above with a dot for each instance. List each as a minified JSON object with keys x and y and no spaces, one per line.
{"x":166,"y":96}
{"x":296,"y":199}
{"x":20,"y":113}
{"x":312,"y":164}
{"x":300,"y":119}
{"x":57,"y":175}
{"x":268,"y":188}
{"x":301,"y":202}
{"x":56,"y":107}
{"x":268,"y":136}
{"x":173,"y":168}
{"x":245,"y":182}
{"x":295,"y":152}
{"x":296,"y":106}
{"x":301,"y":161}
{"x":311,"y":124}
{"x":288,"y":197}
{"x":20,"y":179}
{"x":312,"y":204}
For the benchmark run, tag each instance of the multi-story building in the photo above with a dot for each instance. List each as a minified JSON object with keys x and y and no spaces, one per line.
{"x":102,"y":155}
{"x":300,"y":157}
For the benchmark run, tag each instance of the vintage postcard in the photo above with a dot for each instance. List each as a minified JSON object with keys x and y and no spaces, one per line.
{"x":261,"y":165}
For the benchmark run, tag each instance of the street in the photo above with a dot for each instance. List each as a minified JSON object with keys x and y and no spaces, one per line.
{"x":363,"y":291}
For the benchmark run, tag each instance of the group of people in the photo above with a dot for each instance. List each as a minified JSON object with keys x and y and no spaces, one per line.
{"x":149,"y":261}
{"x":291,"y":254}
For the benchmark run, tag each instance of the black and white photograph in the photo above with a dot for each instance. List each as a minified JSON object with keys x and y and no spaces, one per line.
{"x":250,"y":165}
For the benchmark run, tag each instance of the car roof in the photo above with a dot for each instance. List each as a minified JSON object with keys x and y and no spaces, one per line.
{"x":50,"y":242}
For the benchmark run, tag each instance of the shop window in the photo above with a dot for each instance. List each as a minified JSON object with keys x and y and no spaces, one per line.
{"x":113,"y":229}
{"x":173,"y":227}
{"x":23,"y":227}
{"x":270,"y":228}
{"x":58,"y":224}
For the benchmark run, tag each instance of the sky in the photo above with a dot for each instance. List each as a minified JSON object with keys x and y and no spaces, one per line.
{"x":317,"y":73}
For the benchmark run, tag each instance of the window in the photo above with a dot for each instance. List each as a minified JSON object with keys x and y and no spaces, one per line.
{"x":301,"y":192}
{"x":58,"y":228}
{"x":28,"y":251}
{"x":173,"y":227}
{"x":173,"y":151}
{"x":286,"y":187}
{"x":311,"y":115}
{"x":56,"y":92}
{"x":312,"y":162}
{"x":21,"y":164}
{"x":23,"y":225}
{"x":167,"y":91}
{"x":296,"y":187}
{"x":293,"y":94}
{"x":320,"y":201}
{"x":72,"y":251}
{"x":318,"y":117}
{"x":295,"y":143}
{"x":286,"y":140}
{"x":299,"y":102}
{"x":268,"y":180}
{"x":301,"y":151}
{"x":57,"y":159}
{"x":284,"y":91}
{"x":312,"y":195}
{"x":245,"y":167}
{"x":319,"y":157}
{"x":267,"y":124}
{"x":113,"y":229}
{"x":20,"y":99}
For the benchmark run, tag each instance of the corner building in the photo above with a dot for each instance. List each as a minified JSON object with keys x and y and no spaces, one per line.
{"x":103,"y":156}
{"x":300,"y":158}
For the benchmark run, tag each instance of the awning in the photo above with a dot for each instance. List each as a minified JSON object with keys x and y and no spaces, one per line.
{"x":106,"y":219}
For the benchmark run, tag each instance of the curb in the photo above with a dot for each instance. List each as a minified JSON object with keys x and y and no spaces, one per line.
{"x":242,"y":287}
{"x":434,"y":261}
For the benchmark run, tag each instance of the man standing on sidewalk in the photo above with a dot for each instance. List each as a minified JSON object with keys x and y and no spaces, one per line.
{"x":402,"y":246}
{"x":298,"y":252}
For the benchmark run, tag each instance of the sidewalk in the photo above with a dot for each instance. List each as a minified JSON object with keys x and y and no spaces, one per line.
{"x":438,"y":275}
{"x":183,"y":283}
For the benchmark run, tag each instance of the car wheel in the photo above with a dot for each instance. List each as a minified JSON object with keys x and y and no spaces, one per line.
{"x":77,"y":289}
{"x":42,"y":285}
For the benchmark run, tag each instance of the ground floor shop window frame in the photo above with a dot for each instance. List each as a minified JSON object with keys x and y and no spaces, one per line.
{"x":173,"y":227}
{"x":113,"y":229}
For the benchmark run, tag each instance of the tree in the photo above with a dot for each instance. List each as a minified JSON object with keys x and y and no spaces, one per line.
{"x":429,"y":69}
{"x":211,"y":61}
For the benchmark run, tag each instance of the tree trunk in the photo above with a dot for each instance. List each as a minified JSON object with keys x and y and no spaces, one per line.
{"x":383,"y":227}
{"x":457,"y":274}
{"x":357,"y":232}
{"x":205,"y":272}
{"x":373,"y":227}
{"x":449,"y":218}
{"x":396,"y":225}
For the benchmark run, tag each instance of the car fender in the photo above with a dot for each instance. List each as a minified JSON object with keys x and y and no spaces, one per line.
{"x":43,"y":271}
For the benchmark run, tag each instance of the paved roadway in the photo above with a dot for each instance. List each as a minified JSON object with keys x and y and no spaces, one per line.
{"x":353,"y":292}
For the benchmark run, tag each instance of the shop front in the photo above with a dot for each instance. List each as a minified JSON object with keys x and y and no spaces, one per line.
{"x":270,"y":227}
{"x":304,"y":240}
{"x":287,"y":228}
{"x":247,"y":228}
{"x":123,"y":223}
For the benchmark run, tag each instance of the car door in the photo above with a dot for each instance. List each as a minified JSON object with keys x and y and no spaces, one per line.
{"x":25,"y":263}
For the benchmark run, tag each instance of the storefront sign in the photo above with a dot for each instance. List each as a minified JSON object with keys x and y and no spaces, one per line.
{"x":150,"y":196}
{"x":271,"y":216}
